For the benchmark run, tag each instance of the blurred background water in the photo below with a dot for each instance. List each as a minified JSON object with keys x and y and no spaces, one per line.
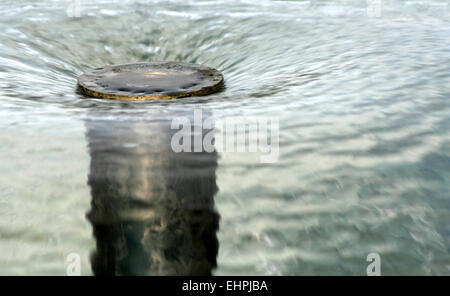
{"x":362,"y":98}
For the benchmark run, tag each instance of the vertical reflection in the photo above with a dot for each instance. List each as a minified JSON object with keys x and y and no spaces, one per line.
{"x":152,"y":209}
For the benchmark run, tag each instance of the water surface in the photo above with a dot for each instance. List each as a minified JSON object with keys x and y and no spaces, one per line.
{"x":364,"y":113}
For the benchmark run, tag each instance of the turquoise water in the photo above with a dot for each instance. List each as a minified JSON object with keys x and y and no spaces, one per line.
{"x":364,"y":113}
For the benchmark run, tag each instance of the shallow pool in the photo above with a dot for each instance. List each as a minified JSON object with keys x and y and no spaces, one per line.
{"x":361,"y":94}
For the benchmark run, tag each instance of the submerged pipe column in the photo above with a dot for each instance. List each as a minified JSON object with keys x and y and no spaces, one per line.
{"x":152,"y":209}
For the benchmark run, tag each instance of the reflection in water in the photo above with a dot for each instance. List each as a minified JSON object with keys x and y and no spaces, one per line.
{"x":152,"y":209}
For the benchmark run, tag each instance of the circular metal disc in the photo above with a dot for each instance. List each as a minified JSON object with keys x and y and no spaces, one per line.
{"x":150,"y":81}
